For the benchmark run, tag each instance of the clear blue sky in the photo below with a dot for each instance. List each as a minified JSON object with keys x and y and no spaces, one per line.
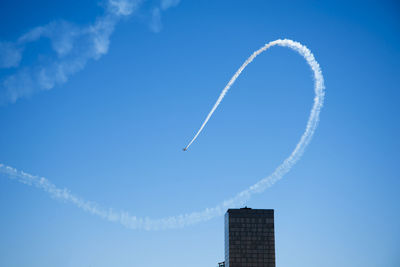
{"x":113,"y":132}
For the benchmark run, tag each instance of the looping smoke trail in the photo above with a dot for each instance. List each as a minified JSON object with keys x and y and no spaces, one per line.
{"x":134,"y":222}
{"x":305,"y":52}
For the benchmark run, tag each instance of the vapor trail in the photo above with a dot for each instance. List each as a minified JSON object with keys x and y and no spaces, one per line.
{"x":239,"y":199}
{"x":309,"y":57}
{"x":72,"y":47}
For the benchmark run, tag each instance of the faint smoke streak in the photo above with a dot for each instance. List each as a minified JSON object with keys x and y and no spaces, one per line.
{"x":156,"y":24}
{"x":73,"y":46}
{"x":134,"y":222}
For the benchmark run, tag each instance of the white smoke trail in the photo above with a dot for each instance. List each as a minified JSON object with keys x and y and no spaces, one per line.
{"x":309,"y":57}
{"x":134,"y":222}
{"x":73,"y":46}
{"x":156,"y":24}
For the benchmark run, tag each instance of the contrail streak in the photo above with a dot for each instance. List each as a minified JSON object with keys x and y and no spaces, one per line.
{"x":72,"y":47}
{"x":309,"y":57}
{"x":239,"y":199}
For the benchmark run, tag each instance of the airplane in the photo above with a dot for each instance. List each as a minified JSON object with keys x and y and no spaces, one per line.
{"x":185,"y":149}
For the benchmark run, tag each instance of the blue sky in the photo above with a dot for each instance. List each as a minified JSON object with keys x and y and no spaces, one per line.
{"x":113,"y":132}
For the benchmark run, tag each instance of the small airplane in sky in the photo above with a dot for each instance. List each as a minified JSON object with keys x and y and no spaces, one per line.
{"x":185,"y":149}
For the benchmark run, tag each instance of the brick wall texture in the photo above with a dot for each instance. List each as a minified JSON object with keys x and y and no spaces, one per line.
{"x":249,"y":238}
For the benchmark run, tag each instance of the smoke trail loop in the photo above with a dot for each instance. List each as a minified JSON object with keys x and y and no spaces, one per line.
{"x":239,"y":199}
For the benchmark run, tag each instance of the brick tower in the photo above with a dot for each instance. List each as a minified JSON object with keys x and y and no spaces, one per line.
{"x":249,"y":238}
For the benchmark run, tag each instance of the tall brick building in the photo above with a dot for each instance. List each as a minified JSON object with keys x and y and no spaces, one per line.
{"x":249,"y":238}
